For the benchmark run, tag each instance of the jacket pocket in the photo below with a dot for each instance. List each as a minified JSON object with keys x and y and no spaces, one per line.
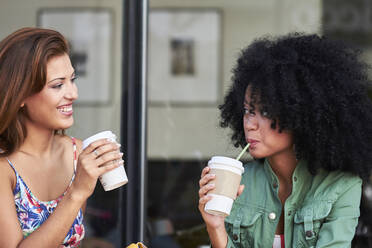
{"x":242,"y":224}
{"x":308,"y":221}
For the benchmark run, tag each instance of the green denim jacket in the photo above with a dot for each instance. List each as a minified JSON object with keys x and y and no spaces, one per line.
{"x":322,"y":210}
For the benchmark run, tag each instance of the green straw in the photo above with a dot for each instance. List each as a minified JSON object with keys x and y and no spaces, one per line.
{"x":244,"y":150}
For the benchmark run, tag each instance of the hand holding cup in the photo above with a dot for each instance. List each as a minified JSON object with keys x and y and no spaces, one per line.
{"x":90,"y":166}
{"x":116,"y":176}
{"x":215,"y":213}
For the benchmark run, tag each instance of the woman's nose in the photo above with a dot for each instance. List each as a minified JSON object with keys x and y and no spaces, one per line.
{"x":72,"y":92}
{"x":250,"y":123}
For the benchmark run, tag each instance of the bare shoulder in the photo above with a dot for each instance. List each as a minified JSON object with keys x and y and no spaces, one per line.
{"x":79,"y":145}
{"x":67,"y":141}
{"x":11,"y":233}
{"x":3,"y":162}
{"x":6,"y":172}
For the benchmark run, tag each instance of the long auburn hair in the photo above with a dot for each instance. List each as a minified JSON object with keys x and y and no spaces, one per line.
{"x":24,"y":55}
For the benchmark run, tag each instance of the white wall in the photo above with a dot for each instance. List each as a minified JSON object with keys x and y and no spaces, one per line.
{"x":15,"y":14}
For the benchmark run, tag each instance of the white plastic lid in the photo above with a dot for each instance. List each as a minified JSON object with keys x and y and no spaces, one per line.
{"x":217,"y":161}
{"x":219,"y":205}
{"x":100,"y":135}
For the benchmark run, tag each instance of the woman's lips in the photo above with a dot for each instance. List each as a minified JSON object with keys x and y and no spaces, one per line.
{"x":253,"y":142}
{"x":66,"y":109}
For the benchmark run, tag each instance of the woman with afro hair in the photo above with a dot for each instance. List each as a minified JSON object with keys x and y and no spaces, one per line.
{"x":301,"y":102}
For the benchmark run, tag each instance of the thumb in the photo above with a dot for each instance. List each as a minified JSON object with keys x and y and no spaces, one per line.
{"x":240,"y":190}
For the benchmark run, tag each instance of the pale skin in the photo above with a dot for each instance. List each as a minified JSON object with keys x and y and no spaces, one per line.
{"x":265,"y":143}
{"x":45,"y":162}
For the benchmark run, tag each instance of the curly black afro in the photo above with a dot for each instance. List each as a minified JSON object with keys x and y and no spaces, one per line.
{"x":314,"y":87}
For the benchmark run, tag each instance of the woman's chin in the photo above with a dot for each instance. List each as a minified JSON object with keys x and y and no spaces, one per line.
{"x":65,"y":125}
{"x":257,"y":156}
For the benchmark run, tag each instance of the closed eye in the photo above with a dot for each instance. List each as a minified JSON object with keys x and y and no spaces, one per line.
{"x":57,"y":86}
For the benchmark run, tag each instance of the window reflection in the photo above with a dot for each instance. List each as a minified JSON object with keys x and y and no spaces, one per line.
{"x":172,"y":203}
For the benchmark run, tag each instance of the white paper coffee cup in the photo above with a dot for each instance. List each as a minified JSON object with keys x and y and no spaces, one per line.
{"x":113,"y":178}
{"x":228,"y":173}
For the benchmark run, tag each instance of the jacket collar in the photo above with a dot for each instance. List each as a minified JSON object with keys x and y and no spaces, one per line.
{"x":301,"y":178}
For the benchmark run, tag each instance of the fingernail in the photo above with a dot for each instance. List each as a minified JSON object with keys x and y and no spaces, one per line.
{"x":121,"y":154}
{"x":211,"y":185}
{"x":121,"y":162}
{"x":119,"y":145}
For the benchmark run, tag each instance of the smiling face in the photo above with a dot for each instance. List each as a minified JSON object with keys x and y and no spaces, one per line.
{"x":51,"y":108}
{"x":265,"y":142}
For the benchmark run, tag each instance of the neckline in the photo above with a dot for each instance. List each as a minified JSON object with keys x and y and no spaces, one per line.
{"x":53,"y":201}
{"x":34,"y":198}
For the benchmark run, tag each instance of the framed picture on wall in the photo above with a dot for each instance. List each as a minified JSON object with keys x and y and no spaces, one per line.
{"x":184,"y":56}
{"x":89,"y":32}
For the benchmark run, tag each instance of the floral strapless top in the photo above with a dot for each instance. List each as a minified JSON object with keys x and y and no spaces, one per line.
{"x":32,"y":212}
